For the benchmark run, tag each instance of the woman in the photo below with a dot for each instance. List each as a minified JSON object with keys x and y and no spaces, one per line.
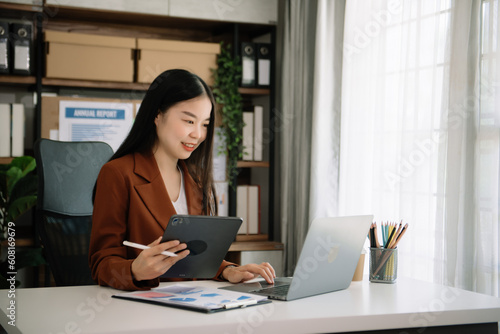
{"x":163,"y":167}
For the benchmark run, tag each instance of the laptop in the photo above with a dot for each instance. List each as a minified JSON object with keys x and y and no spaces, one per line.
{"x":327,"y":261}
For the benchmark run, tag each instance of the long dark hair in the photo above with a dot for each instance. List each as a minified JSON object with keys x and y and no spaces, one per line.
{"x":168,"y":89}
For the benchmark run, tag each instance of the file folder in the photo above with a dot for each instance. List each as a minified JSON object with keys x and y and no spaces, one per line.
{"x":248,"y":59}
{"x":242,"y":207}
{"x":253,"y":209}
{"x":263,"y":64}
{"x":4,"y":47}
{"x":258,"y":133}
{"x":248,"y":135}
{"x":248,"y":208}
{"x":20,"y":39}
{"x":5,"y":134}
{"x":18,"y":122}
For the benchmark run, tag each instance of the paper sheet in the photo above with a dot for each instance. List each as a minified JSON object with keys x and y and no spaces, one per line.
{"x":195,"y":297}
{"x":109,"y":122}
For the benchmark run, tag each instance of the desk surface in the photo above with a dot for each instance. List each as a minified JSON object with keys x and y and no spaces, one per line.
{"x":363,"y":306}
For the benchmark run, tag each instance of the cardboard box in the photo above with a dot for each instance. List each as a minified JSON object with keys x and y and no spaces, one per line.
{"x":156,"y":56}
{"x":89,"y":57}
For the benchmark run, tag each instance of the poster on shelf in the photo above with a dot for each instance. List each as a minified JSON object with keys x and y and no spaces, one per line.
{"x":109,"y":122}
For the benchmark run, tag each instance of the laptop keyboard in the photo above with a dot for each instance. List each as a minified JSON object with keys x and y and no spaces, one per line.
{"x":280,"y":290}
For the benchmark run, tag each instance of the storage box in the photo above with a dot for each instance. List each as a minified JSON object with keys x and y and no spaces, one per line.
{"x":156,"y":56}
{"x":89,"y":57}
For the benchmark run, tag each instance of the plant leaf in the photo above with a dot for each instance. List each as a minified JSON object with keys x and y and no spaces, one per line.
{"x":25,"y":163}
{"x":19,"y":206}
{"x":226,"y":90}
{"x":3,"y":184}
{"x":25,"y":186}
{"x":13,"y":175}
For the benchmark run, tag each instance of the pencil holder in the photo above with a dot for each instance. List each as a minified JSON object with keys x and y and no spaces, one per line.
{"x":383,"y":265}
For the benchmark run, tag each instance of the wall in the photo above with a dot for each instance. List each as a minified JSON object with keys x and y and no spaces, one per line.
{"x":248,"y":11}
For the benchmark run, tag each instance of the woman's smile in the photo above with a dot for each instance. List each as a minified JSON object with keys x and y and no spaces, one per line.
{"x":189,"y":147}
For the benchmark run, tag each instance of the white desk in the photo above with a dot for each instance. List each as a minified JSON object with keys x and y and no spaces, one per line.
{"x":363,"y":306}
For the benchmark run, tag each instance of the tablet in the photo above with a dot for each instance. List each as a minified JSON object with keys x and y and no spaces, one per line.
{"x":208,"y":239}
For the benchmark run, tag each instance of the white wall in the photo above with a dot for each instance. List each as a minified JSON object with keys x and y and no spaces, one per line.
{"x":243,"y":11}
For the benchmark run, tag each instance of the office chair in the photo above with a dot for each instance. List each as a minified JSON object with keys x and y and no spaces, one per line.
{"x":67,"y":172}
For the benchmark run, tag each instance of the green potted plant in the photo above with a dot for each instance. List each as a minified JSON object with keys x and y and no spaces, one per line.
{"x":18,"y":194}
{"x":18,"y":189}
{"x":226,"y":83}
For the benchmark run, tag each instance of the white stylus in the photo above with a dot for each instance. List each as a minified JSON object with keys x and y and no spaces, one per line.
{"x":139,"y":246}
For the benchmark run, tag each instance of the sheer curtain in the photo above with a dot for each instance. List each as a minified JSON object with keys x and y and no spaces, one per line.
{"x":457,"y":178}
{"x":488,"y":147}
{"x":419,"y":133}
{"x":325,"y":149}
{"x":294,"y":106}
{"x":310,"y":117}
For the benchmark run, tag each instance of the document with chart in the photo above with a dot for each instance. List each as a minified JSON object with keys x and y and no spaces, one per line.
{"x":196,"y":298}
{"x":109,"y":122}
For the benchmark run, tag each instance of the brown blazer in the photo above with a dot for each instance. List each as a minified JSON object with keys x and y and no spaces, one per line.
{"x":132,"y":203}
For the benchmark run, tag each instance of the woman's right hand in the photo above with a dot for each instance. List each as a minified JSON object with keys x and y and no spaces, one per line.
{"x":151,"y":263}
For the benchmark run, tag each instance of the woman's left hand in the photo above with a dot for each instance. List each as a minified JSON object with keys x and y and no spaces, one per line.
{"x":250,"y":271}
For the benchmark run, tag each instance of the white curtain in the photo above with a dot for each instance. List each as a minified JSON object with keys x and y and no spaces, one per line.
{"x":457,"y":177}
{"x":419,"y":133}
{"x":325,"y":144}
{"x":488,"y":154}
{"x":310,"y":108}
{"x":295,"y":108}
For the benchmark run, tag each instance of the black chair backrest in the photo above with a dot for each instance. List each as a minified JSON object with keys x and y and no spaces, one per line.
{"x":67,"y":172}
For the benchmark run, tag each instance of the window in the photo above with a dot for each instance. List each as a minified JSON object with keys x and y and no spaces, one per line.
{"x":393,"y":100}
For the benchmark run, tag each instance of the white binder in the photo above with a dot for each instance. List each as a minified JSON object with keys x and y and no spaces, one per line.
{"x":5,"y":130}
{"x":17,"y":130}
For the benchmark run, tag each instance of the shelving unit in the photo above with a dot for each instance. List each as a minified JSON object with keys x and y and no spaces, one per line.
{"x":49,"y":82}
{"x":5,"y":161}
{"x":241,"y":246}
{"x":105,"y":22}
{"x":12,"y":9}
{"x":254,"y":91}
{"x":252,"y":164}
{"x":17,"y":80}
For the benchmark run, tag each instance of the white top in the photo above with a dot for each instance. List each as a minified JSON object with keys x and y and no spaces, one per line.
{"x":180,"y":205}
{"x":363,"y":306}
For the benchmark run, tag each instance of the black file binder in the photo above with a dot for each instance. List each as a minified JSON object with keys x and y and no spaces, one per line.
{"x":248,"y":64}
{"x":4,"y":47}
{"x":20,"y":40}
{"x":264,"y":64}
